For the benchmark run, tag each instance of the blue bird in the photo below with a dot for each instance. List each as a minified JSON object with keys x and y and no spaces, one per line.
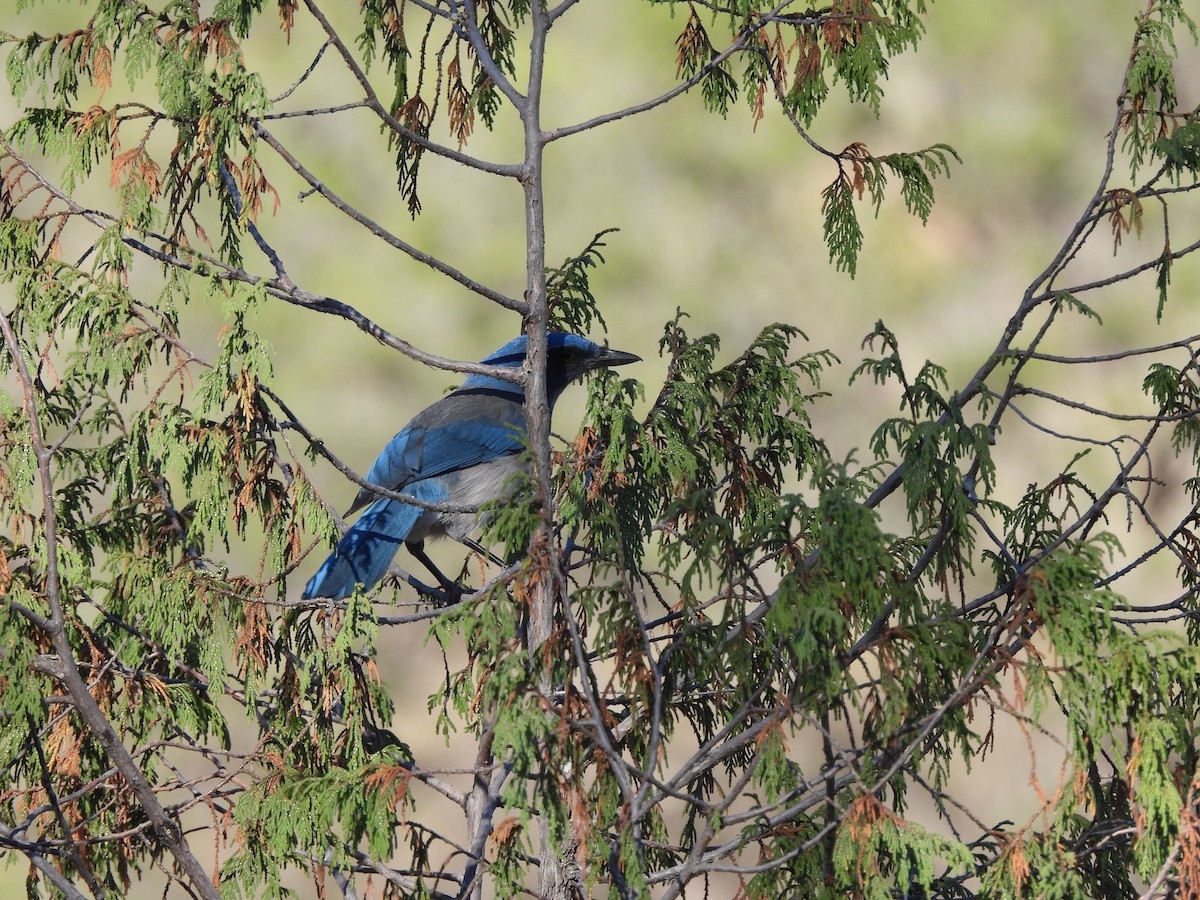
{"x":461,"y":451}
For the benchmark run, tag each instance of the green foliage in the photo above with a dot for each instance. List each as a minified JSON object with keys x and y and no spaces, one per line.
{"x":698,"y":56}
{"x":880,"y":854}
{"x":858,"y":173}
{"x":712,"y":644}
{"x":936,"y":445}
{"x":1154,"y":104}
{"x":915,"y":171}
{"x":1177,"y":392}
{"x":848,"y":43}
{"x":1180,"y":151}
{"x":843,"y":234}
{"x":414,"y":106}
{"x":572,"y":305}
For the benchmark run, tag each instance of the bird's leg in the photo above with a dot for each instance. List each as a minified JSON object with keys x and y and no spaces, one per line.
{"x":453,"y":591}
{"x":433,"y":593}
{"x":570,"y":547}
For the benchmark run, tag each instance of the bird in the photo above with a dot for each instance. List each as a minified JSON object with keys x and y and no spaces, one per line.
{"x":463,"y":451}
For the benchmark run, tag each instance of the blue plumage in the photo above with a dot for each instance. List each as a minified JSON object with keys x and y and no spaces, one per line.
{"x":463,"y":450}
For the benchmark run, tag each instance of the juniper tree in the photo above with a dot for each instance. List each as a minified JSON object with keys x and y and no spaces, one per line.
{"x":711,"y":662}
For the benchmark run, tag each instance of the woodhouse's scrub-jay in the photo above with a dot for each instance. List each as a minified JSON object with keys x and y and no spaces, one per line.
{"x":462,"y":451}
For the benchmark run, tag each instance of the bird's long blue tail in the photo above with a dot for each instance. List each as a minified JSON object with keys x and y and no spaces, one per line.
{"x":367,"y":549}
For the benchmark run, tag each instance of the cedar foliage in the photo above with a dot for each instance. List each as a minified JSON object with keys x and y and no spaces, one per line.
{"x":699,"y":587}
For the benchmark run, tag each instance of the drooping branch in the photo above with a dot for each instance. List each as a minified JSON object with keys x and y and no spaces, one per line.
{"x":62,"y":667}
{"x":376,"y":105}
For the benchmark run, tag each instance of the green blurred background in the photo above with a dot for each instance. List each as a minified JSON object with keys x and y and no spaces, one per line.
{"x":716,"y":217}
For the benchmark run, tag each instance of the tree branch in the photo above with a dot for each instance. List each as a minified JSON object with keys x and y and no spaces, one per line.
{"x":67,"y":673}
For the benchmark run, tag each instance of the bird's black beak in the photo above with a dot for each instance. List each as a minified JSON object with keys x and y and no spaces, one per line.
{"x":610,"y":358}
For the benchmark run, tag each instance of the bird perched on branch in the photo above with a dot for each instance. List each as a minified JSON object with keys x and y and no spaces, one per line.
{"x":462,"y":451}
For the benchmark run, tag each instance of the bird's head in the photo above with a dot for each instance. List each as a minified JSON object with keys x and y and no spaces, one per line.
{"x":568,"y":356}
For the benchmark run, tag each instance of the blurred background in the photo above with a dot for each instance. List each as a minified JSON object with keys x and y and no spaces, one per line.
{"x":719,"y":218}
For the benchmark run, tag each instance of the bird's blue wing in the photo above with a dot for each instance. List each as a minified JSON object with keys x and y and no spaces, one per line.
{"x":460,"y":445}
